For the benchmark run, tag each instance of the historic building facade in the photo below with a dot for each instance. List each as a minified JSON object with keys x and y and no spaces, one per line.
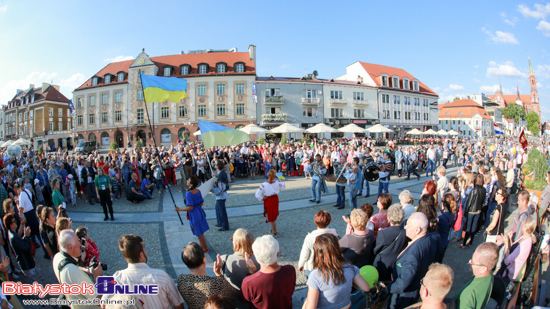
{"x":466,"y":117}
{"x":110,"y":106}
{"x":40,"y":114}
{"x":404,"y":102}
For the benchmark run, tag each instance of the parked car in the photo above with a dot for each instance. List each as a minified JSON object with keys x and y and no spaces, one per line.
{"x":85,"y":147}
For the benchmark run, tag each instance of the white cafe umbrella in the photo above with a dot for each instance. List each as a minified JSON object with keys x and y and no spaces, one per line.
{"x":414,"y":132}
{"x":7,"y":143}
{"x":197,"y":133}
{"x":321,"y":128}
{"x":430,"y":132}
{"x":442,"y":132}
{"x":452,"y":132}
{"x":287,"y":128}
{"x":22,"y":142}
{"x":253,"y":129}
{"x":379,"y":129}
{"x":352,"y":128}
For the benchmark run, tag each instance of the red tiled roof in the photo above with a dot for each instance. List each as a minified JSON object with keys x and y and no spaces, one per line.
{"x":462,"y":108}
{"x":230,"y":58}
{"x":511,"y":98}
{"x":507,"y":120}
{"x":52,"y":94}
{"x":375,"y":71}
{"x":310,"y":80}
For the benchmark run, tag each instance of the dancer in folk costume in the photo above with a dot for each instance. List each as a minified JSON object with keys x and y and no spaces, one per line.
{"x":268,"y":194}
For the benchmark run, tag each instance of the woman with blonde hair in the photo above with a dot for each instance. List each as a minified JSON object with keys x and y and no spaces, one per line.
{"x":330,"y":284}
{"x":268,"y":193}
{"x":517,"y":253}
{"x":357,"y":247}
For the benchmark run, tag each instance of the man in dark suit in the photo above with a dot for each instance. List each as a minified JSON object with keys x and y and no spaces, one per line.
{"x":389,"y":243}
{"x":413,"y":263}
{"x":88,"y":175}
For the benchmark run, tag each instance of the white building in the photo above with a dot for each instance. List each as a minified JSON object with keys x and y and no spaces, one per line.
{"x":404,"y":102}
{"x":466,"y":117}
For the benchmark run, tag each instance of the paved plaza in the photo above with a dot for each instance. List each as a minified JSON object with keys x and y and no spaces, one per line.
{"x":164,"y":236}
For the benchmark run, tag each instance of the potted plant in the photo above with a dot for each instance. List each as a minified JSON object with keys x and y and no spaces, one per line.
{"x":114,"y":146}
{"x":535,"y":170}
{"x":139,"y":144}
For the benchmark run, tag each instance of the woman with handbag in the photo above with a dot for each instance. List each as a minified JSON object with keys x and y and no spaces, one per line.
{"x":472,"y":210}
{"x":498,"y":216}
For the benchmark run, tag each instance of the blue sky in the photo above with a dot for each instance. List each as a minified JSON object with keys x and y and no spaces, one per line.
{"x":454,"y":48}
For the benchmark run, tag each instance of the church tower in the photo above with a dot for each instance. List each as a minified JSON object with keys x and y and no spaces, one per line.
{"x":499,"y":99}
{"x":534,"y":94}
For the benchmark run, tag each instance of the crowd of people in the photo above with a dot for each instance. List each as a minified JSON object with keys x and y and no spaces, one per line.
{"x":404,"y":241}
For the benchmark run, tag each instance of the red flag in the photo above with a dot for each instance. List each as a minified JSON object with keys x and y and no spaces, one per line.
{"x":523,"y":139}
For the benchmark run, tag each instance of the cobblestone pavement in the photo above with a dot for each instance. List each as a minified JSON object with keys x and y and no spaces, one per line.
{"x":164,"y":236}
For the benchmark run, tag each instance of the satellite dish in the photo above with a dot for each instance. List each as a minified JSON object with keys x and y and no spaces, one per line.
{"x":315,"y":73}
{"x":15,"y":151}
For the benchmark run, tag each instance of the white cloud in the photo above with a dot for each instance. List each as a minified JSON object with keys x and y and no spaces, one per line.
{"x":539,"y":85}
{"x":510,"y":21}
{"x":476,"y":66}
{"x":507,"y":70}
{"x":543,"y":71}
{"x":436,"y":89}
{"x":544,"y":27}
{"x":501,"y":37}
{"x":4,"y":8}
{"x":540,"y":11}
{"x":456,"y":87}
{"x":285,"y":66}
{"x":489,"y":89}
{"x":67,"y":85}
{"x":477,"y":80}
{"x":119,"y":58}
{"x":447,"y":98}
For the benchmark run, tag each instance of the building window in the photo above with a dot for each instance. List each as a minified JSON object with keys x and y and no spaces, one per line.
{"x":201,"y":110}
{"x":359,"y":96}
{"x":396,"y":99}
{"x":311,"y":93}
{"x":385,"y":98}
{"x":405,"y":83}
{"x":220,"y":109}
{"x":183,"y":111}
{"x":336,"y":112}
{"x":272,"y":92}
{"x":25,"y":116}
{"x":359,"y":113}
{"x":220,"y":68}
{"x":139,"y":94}
{"x":202,"y":69}
{"x":395,"y":82}
{"x":50,"y":126}
{"x":118,"y":97}
{"x":107,"y":79}
{"x":59,"y":113}
{"x":118,"y":116}
{"x":310,"y":112}
{"x":140,"y":116}
{"x":425,"y":102}
{"x":104,"y":98}
{"x":50,"y":113}
{"x":94,"y":81}
{"x":396,"y":115}
{"x":384,"y":81}
{"x":78,"y":102}
{"x":166,"y":72}
{"x":21,"y":117}
{"x":220,"y":89}
{"x":104,"y":117}
{"x":239,"y":68}
{"x":407,"y":115}
{"x":120,"y":77}
{"x":164,"y":112}
{"x":91,"y":119}
{"x":91,"y":100}
{"x":240,"y":109}
{"x":79,"y":120}
{"x":201,"y":90}
{"x":415,"y":85}
{"x":336,"y":95}
{"x":184,"y":70}
{"x":239,"y":88}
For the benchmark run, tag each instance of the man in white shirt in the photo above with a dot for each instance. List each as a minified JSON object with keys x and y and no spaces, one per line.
{"x":133,"y":250}
{"x":25,"y":202}
{"x":431,"y":154}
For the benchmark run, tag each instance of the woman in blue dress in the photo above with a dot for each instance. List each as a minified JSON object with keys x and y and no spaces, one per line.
{"x":195,"y":214}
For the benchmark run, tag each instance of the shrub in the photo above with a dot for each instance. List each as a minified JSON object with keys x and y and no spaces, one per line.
{"x":41,"y":149}
{"x":260,"y":141}
{"x":537,"y":164}
{"x":284,"y":140}
{"x":139,"y":144}
{"x":114,"y":146}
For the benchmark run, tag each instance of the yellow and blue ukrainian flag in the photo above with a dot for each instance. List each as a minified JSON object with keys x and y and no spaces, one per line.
{"x":160,"y":89}
{"x":214,"y":134}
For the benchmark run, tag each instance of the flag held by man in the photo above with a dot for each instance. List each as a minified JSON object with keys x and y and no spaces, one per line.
{"x":214,"y":134}
{"x":160,"y":89}
{"x":497,"y":129}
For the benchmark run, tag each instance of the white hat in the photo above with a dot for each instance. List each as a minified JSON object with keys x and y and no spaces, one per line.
{"x":36,"y":181}
{"x":70,"y":176}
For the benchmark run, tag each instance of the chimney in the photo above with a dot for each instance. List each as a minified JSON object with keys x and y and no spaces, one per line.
{"x":252,"y":52}
{"x":56,"y":87}
{"x":359,"y":79}
{"x":45,"y":86}
{"x":31,"y":86}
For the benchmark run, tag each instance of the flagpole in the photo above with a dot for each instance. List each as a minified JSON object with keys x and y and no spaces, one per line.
{"x":155,"y":144}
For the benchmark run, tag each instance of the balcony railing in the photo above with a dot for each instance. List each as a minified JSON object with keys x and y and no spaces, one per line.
{"x":360,"y":103}
{"x":274,"y":100}
{"x":311,"y":100}
{"x":337,"y":101}
{"x":140,"y":121}
{"x":274,"y":117}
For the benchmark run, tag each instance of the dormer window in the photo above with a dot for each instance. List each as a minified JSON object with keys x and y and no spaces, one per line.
{"x":406,"y":83}
{"x":167,"y":71}
{"x":107,"y":79}
{"x":220,"y":68}
{"x":239,"y":68}
{"x":184,"y":70}
{"x":385,"y":82}
{"x":120,"y":77}
{"x":203,"y":69}
{"x":395,"y":81}
{"x":415,"y":85}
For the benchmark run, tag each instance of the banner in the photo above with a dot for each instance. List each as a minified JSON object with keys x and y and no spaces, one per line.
{"x":523,"y":140}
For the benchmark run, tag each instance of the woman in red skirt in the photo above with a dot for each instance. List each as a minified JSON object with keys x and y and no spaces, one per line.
{"x":268,"y":194}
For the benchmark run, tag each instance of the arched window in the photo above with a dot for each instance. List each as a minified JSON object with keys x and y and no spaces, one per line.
{"x":80,"y":137}
{"x":183,"y":134}
{"x":91,"y":137}
{"x":165,"y":136}
{"x":240,"y":126}
{"x":105,"y":138}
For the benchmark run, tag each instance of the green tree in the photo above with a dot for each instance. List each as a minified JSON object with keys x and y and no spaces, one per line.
{"x":533,"y":123}
{"x":514,"y":111}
